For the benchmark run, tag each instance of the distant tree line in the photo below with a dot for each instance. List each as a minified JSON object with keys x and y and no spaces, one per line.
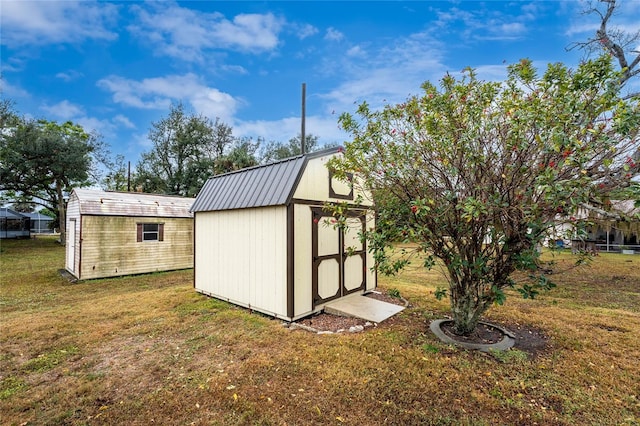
{"x":188,"y":148}
{"x":41,"y":161}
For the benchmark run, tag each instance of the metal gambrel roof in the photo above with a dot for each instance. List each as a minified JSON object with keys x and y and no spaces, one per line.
{"x":261,"y":186}
{"x":106,"y":203}
{"x":268,"y":185}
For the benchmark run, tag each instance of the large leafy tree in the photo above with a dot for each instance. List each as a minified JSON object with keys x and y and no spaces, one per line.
{"x":188,"y":149}
{"x":118,"y":177}
{"x":42,"y":161}
{"x":241,"y":155}
{"x":474,"y":173}
{"x":275,"y":150}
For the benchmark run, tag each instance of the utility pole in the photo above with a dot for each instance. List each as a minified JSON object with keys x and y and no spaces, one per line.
{"x":129,"y":177}
{"x":302,"y":133}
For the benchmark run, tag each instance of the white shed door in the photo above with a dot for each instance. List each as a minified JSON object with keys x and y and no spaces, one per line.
{"x":339,"y":257}
{"x":71,"y":246}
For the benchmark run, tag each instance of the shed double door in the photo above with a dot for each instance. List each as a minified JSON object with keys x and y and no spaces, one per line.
{"x":339,"y":257}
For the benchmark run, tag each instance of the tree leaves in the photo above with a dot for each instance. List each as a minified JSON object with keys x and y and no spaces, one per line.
{"x":44,"y":160}
{"x":187,"y":150}
{"x":476,"y":172}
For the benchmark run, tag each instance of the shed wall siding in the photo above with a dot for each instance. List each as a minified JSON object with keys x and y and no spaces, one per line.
{"x":242,"y":257}
{"x":372,"y":281}
{"x":302,"y":260}
{"x":73,"y":213}
{"x":109,"y":246}
{"x":314,"y":184}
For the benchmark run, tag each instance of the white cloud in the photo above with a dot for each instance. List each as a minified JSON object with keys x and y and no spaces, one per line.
{"x":64,"y":110}
{"x":582,"y":27}
{"x":511,"y":28}
{"x":103,"y":126}
{"x":43,"y":22}
{"x":390,"y":74}
{"x":142,"y":140}
{"x":333,"y":35}
{"x":483,"y":24}
{"x":160,"y":92}
{"x":626,"y":18}
{"x":234,"y":69}
{"x":12,"y":64}
{"x":530,"y":11}
{"x":186,"y":34}
{"x":356,"y":52}
{"x":124,"y":121}
{"x":11,"y":91}
{"x":67,"y":111}
{"x":325,"y":127}
{"x":305,"y":30}
{"x":69,"y":75}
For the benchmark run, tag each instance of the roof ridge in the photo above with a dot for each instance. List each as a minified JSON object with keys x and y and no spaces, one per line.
{"x":313,"y":154}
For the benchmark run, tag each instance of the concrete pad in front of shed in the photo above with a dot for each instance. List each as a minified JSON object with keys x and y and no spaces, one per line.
{"x":360,"y":306}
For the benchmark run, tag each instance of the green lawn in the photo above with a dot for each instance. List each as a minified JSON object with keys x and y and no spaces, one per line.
{"x":149,"y":350}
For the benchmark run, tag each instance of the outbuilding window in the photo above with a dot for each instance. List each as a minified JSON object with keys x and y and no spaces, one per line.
{"x":339,"y":188}
{"x":150,"y":232}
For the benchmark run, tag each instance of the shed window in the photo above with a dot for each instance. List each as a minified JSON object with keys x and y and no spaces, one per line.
{"x":150,"y":232}
{"x":341,"y":189}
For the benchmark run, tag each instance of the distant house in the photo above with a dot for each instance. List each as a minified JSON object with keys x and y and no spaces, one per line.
{"x":264,"y":241}
{"x":40,"y":223}
{"x":606,"y":230}
{"x":13,"y":224}
{"x":116,"y":233}
{"x":616,"y":227}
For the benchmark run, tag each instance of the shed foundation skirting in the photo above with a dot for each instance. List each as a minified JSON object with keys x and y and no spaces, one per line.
{"x":272,"y":314}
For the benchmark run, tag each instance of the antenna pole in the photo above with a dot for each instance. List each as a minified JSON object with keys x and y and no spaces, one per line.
{"x":302,"y":133}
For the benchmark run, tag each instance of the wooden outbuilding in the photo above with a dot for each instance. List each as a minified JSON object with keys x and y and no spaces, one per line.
{"x":117,"y":233}
{"x":264,"y":241}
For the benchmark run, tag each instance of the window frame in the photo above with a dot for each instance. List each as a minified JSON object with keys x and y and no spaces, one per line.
{"x":141,"y":233}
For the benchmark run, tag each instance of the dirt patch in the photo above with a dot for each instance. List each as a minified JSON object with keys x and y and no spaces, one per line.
{"x":333,"y":323}
{"x":529,"y":339}
{"x":336,"y":323}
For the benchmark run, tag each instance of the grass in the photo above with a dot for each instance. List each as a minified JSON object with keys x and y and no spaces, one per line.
{"x":149,"y":349}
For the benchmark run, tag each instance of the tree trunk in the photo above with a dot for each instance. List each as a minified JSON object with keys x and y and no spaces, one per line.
{"x":61,"y":214}
{"x":466,"y":309}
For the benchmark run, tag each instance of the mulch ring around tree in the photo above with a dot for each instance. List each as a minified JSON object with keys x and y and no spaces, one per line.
{"x":487,"y":336}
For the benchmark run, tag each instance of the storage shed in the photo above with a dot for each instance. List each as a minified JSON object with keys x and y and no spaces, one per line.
{"x":118,"y":233}
{"x":13,"y":224}
{"x":264,"y":241}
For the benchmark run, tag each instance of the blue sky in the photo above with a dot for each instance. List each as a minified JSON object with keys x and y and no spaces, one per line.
{"x":115,"y":67}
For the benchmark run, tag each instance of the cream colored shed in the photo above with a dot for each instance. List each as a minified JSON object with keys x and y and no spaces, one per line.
{"x":119,"y":233}
{"x":264,"y":241}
